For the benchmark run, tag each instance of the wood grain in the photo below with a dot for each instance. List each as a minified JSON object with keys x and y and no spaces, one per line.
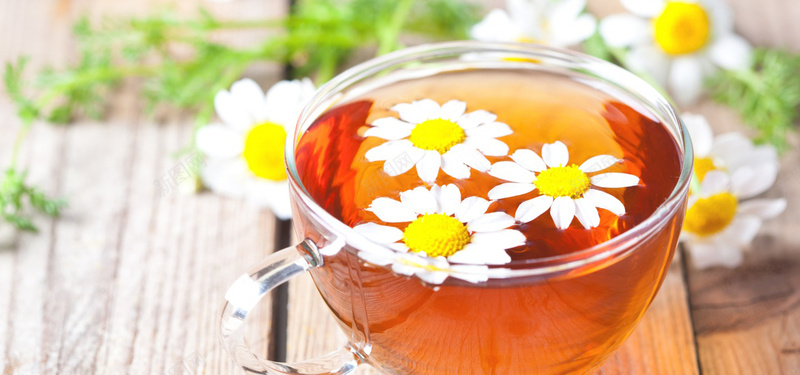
{"x":128,"y":281}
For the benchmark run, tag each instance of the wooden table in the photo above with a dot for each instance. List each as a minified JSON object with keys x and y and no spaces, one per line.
{"x":131,"y":281}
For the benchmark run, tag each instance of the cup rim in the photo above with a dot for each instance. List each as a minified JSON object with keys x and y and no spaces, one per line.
{"x":538,"y":266}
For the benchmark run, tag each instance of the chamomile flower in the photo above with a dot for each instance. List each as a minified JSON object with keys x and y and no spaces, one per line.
{"x":565,"y":189}
{"x":727,"y":152}
{"x":433,"y":137}
{"x":719,"y":226}
{"x":551,"y":22}
{"x":678,"y":42}
{"x":245,"y":155}
{"x":441,"y":228}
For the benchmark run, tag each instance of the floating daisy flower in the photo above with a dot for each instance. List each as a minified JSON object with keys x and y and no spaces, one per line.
{"x":566,"y":190}
{"x":245,"y":155}
{"x":554,"y":23}
{"x":433,"y":137}
{"x":719,"y":226}
{"x":442,"y":228}
{"x":727,"y":152}
{"x":678,"y":43}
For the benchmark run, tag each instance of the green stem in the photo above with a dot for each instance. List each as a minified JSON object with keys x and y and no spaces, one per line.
{"x":21,"y":133}
{"x":99,"y":75}
{"x":327,"y":69}
{"x":388,"y":36}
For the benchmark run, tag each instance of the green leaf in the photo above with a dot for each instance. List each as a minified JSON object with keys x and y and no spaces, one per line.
{"x":766,"y":96}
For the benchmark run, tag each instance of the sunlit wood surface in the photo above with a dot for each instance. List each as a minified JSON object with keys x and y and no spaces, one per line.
{"x":130,"y":280}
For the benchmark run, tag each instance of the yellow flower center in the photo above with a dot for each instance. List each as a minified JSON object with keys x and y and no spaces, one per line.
{"x":567,"y":181}
{"x":263,"y":151}
{"x":437,"y":134}
{"x":436,"y":235}
{"x":710,"y":215}
{"x":703,"y":166}
{"x":682,"y":28}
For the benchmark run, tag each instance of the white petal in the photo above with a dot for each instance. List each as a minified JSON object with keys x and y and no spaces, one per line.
{"x":475,"y":118}
{"x":644,"y":8}
{"x":748,"y":181}
{"x":402,"y":162}
{"x":586,"y":213}
{"x":495,"y":27}
{"x":428,"y":166}
{"x":601,"y":199}
{"x":248,"y":94}
{"x":533,"y":208}
{"x":492,"y":147}
{"x":469,"y":156}
{"x":762,"y":208}
{"x":275,"y":195}
{"x":391,"y":211}
{"x":490,"y":130}
{"x":529,"y":160}
{"x":227,"y":177}
{"x":731,"y":52}
{"x":232,"y":112}
{"x":449,"y":199}
{"x":565,"y":34}
{"x":511,"y":189}
{"x":480,"y":254}
{"x":285,"y":101}
{"x":471,"y":208}
{"x":562,"y":211}
{"x":598,"y":163}
{"x":455,"y":168}
{"x":388,"y":150}
{"x":649,"y":59}
{"x":615,"y":180}
{"x":389,"y":128}
{"x":377,"y":233}
{"x":566,"y":10}
{"x":503,"y":239}
{"x":730,"y":146}
{"x":686,"y":80}
{"x":420,"y":199}
{"x":377,"y":257}
{"x":417,"y":111}
{"x":721,"y":16}
{"x":623,"y":30}
{"x":490,"y":222}
{"x":743,"y":229}
{"x":714,"y":253}
{"x":714,"y":182}
{"x":700,"y":132}
{"x":399,"y":246}
{"x":511,"y":171}
{"x":432,"y":277}
{"x":555,"y":154}
{"x":473,"y":274}
{"x":219,"y":141}
{"x":452,"y":110}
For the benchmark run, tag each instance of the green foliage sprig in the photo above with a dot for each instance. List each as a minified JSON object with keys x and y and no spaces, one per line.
{"x":766,"y":96}
{"x":184,"y":67}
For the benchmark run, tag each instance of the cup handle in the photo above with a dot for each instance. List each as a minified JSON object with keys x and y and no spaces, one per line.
{"x":248,"y":290}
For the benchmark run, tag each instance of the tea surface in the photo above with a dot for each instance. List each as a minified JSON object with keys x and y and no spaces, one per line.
{"x":539,"y":108}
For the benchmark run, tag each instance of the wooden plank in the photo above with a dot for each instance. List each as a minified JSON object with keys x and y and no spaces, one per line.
{"x":747,"y":320}
{"x":128,"y":281}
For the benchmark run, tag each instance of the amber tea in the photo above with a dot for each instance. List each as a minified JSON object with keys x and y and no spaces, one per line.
{"x":540,"y":167}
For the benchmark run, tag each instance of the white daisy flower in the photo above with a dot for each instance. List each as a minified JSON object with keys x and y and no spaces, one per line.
{"x":678,"y":42}
{"x":245,"y":155}
{"x":554,"y":23}
{"x":442,"y":228}
{"x":727,"y":152}
{"x":566,"y":190}
{"x":718,"y":226}
{"x":433,"y":137}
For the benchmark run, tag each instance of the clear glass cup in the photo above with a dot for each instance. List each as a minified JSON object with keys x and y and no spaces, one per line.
{"x":561,"y":314}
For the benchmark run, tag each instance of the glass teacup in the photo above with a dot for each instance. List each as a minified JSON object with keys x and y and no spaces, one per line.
{"x":551,"y":315}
